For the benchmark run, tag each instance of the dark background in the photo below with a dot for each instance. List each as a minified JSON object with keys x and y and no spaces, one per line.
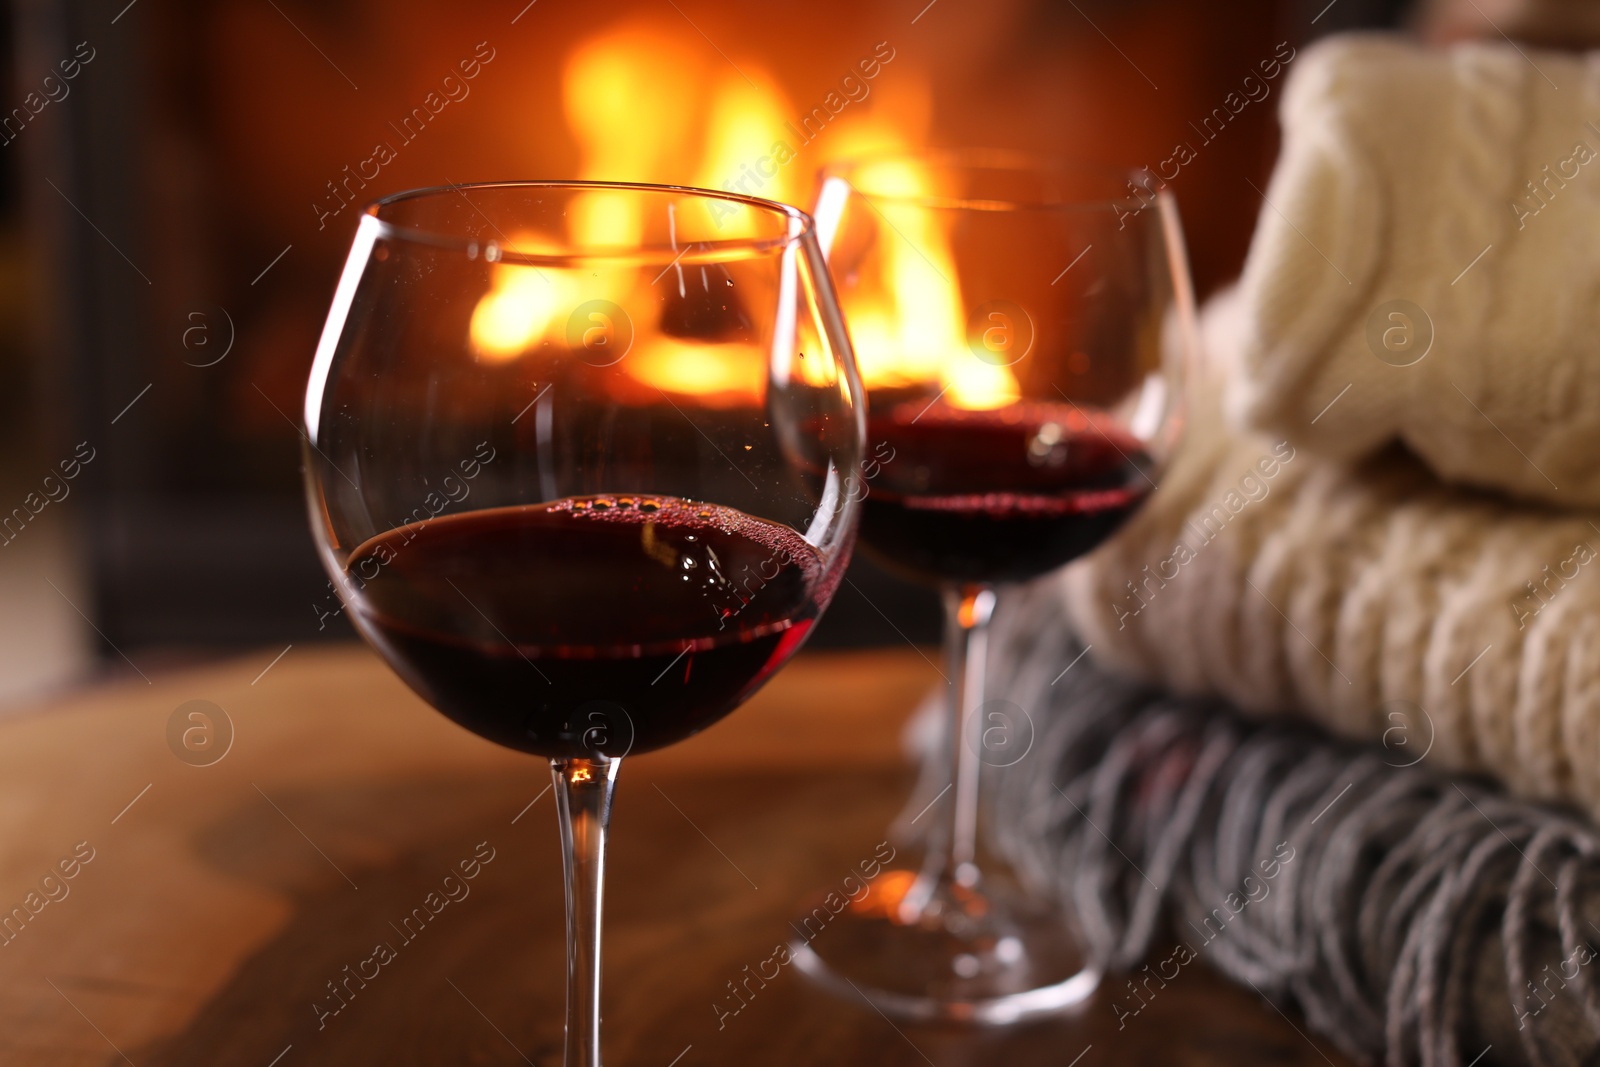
{"x":161,"y":215}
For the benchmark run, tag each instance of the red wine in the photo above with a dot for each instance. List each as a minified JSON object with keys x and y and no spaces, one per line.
{"x":601,"y":624}
{"x":996,"y":496}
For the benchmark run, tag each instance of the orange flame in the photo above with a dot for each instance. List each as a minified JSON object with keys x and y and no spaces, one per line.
{"x":907,"y":325}
{"x":522,"y":305}
{"x":632,"y":95}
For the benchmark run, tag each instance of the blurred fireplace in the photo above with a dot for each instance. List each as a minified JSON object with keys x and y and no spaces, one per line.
{"x":196,"y":187}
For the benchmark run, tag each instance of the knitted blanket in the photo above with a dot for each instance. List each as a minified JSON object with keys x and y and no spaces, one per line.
{"x":1413,"y":918}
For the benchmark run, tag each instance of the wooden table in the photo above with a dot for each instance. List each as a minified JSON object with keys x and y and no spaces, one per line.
{"x":221,"y":902}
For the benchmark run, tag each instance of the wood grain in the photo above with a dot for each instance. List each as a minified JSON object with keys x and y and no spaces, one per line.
{"x":222,"y":901}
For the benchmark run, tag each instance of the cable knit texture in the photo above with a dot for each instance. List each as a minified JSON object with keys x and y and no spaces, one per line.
{"x":1360,"y":595}
{"x":1467,"y":183}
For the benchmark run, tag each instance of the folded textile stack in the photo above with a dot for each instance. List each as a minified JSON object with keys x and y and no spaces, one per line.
{"x":1385,"y":512}
{"x":1385,"y":520}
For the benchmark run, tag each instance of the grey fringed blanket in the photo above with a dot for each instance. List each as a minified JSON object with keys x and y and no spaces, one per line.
{"x":1413,"y":918}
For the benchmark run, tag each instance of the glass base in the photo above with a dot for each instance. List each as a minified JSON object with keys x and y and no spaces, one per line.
{"x":979,"y":953}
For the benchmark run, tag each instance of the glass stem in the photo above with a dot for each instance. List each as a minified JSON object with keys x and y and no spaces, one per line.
{"x":968,"y":650}
{"x":953,"y":855}
{"x":583,"y":789}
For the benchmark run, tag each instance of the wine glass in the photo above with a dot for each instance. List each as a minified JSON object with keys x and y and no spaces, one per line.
{"x":582,"y":459}
{"x":1020,"y":327}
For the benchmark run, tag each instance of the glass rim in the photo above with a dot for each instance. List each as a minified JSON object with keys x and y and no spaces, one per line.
{"x":1138,"y":179}
{"x":800,"y":225}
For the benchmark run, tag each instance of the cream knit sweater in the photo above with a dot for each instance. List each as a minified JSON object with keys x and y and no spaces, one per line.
{"x":1427,"y":264}
{"x":1419,"y":315}
{"x":1369,"y":597}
